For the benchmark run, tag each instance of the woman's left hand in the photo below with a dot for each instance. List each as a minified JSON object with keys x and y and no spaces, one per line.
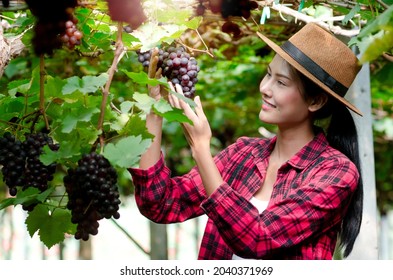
{"x":199,"y":133}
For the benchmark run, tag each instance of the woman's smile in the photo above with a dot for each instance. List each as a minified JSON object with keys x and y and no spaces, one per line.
{"x":266,"y":105}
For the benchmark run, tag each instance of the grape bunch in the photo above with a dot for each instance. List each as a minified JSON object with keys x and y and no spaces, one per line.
{"x":37,"y":174}
{"x":178,"y":66}
{"x":21,"y":163}
{"x":92,"y":194}
{"x":12,"y":158}
{"x":72,"y":36}
{"x":51,"y":22}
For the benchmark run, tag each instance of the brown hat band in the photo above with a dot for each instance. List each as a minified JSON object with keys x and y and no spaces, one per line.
{"x":314,"y":68}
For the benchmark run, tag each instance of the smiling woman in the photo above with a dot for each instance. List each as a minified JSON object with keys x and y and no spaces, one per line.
{"x":308,"y":179}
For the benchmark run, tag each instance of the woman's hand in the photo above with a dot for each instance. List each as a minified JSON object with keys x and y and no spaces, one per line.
{"x":155,"y":91}
{"x":198,"y":136}
{"x":199,"y":133}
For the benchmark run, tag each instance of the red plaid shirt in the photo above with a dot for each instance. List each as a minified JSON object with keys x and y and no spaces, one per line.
{"x":307,"y":205}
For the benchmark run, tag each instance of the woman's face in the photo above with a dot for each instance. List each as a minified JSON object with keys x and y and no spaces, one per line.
{"x":282,"y":101}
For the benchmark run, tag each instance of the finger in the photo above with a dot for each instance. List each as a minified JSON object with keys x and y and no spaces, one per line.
{"x":199,"y":109}
{"x":173,"y":100}
{"x":159,"y":72}
{"x":153,"y":63}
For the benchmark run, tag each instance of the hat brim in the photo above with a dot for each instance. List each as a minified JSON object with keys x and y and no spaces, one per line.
{"x":305,"y":72}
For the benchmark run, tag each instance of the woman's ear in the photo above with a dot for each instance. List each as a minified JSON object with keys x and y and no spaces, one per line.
{"x":318,"y":102}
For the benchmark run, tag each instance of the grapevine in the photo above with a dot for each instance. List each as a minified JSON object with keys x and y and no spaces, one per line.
{"x":92,"y":194}
{"x":177,"y":65}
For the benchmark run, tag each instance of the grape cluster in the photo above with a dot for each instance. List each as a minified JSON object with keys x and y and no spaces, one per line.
{"x":21,"y":163}
{"x":177,"y":65}
{"x":51,"y":22}
{"x":37,"y":174}
{"x":92,"y":194}
{"x":72,"y":36}
{"x":12,"y":158}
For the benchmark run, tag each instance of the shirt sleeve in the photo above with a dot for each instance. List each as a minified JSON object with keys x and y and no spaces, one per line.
{"x":166,"y":199}
{"x":314,"y":207}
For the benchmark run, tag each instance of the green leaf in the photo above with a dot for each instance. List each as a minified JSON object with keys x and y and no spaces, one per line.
{"x":176,"y":16}
{"x":143,"y":101}
{"x":194,"y":23}
{"x":143,"y":79}
{"x":351,"y":13}
{"x":28,"y":196}
{"x":51,"y":226}
{"x":78,"y":115}
{"x":126,"y":106}
{"x":87,"y":84}
{"x":67,"y":150}
{"x":126,"y":152}
{"x":376,"y":37}
{"x":135,"y":126}
{"x":162,"y":106}
{"x":189,"y":101}
{"x":152,"y":34}
{"x":176,"y":115}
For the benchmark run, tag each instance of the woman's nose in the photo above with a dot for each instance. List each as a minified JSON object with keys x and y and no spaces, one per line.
{"x":264,"y":87}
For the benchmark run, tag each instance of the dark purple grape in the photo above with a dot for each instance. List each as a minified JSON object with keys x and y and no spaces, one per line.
{"x":21,"y":164}
{"x":177,"y":65}
{"x":92,"y":195}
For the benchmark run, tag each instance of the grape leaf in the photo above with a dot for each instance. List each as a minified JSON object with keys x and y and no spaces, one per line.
{"x":135,"y":126}
{"x":51,"y":226}
{"x":376,"y":37}
{"x":143,"y":79}
{"x":162,"y":106}
{"x":126,"y":106}
{"x":152,"y":34}
{"x":126,"y":152}
{"x":28,"y":196}
{"x":351,"y":13}
{"x":176,"y":115}
{"x":67,"y":150}
{"x":80,"y":115}
{"x":85,"y":85}
{"x":143,"y":101}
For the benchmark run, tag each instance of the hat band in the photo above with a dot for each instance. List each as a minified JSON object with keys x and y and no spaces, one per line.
{"x":314,"y":68}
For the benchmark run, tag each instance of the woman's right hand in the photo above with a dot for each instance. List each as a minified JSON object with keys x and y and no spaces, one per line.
{"x":155,"y":91}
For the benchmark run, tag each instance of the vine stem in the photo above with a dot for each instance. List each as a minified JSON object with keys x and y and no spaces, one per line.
{"x":130,"y":237}
{"x":111,"y":72}
{"x":42,"y":91}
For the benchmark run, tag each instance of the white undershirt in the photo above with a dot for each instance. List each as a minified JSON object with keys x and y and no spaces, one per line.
{"x":261,"y":205}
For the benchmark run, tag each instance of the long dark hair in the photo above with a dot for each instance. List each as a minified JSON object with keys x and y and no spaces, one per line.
{"x":341,"y":134}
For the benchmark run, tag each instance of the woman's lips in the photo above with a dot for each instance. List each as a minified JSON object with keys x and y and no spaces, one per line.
{"x":266,"y":105}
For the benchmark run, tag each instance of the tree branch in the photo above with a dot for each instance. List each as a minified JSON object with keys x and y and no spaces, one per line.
{"x":300,"y":16}
{"x":119,"y":52}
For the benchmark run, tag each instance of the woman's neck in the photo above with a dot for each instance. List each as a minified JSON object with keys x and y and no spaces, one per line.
{"x":290,"y":141}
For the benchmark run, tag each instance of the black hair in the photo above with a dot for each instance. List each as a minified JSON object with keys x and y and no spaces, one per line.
{"x":341,"y":134}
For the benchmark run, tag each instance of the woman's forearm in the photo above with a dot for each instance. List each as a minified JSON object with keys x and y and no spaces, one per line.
{"x":153,"y":153}
{"x":208,"y":170}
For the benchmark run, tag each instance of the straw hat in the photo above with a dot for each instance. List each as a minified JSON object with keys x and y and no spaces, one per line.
{"x":322,"y":58}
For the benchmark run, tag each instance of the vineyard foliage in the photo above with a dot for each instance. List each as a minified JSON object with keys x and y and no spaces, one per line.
{"x":93,"y":97}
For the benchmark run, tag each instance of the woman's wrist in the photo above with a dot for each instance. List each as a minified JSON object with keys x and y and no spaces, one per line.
{"x":201,"y":151}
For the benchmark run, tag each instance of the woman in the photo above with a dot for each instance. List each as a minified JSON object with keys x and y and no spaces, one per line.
{"x":290,"y":197}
